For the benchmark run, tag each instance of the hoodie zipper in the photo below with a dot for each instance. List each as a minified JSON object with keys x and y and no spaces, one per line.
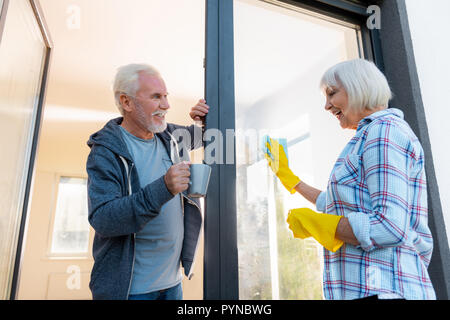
{"x":132,"y":265}
{"x":134,"y":237}
{"x":172,"y":152}
{"x":189,"y":276}
{"x":128,"y":171}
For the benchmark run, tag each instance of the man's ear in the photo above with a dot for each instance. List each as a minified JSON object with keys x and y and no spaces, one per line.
{"x":125,"y":102}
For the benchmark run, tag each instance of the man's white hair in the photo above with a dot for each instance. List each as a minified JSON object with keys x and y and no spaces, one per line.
{"x":365,"y":84}
{"x":126,"y":80}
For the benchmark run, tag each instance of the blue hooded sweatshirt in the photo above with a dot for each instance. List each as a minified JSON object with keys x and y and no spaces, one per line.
{"x":119,"y":208}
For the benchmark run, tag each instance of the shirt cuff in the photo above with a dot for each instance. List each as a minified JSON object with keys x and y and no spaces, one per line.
{"x":321,"y":202}
{"x":360,"y":224}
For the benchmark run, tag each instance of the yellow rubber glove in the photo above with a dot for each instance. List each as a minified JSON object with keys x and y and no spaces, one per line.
{"x":306,"y":223}
{"x":278,"y":162}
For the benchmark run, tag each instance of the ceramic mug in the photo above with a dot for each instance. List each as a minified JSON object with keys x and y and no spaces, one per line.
{"x":199,"y":180}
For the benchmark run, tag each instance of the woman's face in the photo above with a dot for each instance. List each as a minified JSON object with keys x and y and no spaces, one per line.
{"x":337,"y":104}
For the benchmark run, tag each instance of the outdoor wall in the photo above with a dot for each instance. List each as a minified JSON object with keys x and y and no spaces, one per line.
{"x":429,"y":24}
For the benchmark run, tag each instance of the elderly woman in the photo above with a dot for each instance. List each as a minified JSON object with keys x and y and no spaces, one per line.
{"x":375,"y":231}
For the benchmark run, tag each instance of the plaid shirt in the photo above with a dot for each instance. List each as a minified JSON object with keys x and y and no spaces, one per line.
{"x":379,"y":184}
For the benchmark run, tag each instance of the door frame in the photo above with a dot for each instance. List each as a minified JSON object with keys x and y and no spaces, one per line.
{"x":37,"y":10}
{"x":220,"y":275}
{"x":380,"y":46}
{"x":3,"y":12}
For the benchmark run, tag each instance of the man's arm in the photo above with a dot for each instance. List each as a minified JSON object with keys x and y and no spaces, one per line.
{"x":191,"y":137}
{"x":110,"y":212}
{"x":199,"y":112}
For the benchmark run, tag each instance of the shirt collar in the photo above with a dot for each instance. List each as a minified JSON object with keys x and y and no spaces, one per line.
{"x":391,"y":112}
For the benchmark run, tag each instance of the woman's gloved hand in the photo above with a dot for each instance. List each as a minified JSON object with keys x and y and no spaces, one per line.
{"x":306,"y":223}
{"x":278,"y":162}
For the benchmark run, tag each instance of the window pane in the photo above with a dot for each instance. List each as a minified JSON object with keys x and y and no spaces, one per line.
{"x":22,"y":52}
{"x":71,"y":227}
{"x":279,"y":59}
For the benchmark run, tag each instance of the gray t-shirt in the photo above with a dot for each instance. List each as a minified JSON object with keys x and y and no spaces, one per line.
{"x":158,"y":245}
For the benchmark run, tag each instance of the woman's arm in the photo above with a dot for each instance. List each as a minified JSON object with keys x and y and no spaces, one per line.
{"x":344,"y":231}
{"x":308,"y":192}
{"x":387,"y":160}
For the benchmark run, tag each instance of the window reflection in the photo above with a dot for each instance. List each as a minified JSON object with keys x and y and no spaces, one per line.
{"x":279,"y":59}
{"x":71,"y":227}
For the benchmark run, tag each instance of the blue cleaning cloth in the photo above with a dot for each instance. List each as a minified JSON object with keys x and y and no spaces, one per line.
{"x":281,"y":141}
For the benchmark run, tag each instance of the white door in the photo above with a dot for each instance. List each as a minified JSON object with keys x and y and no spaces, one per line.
{"x":24,"y":52}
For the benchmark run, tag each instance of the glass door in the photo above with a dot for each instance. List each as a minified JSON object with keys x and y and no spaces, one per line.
{"x":23,"y":61}
{"x":56,"y":260}
{"x":280,"y":54}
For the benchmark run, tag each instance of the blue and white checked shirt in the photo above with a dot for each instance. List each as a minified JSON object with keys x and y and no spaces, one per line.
{"x":379,"y":184}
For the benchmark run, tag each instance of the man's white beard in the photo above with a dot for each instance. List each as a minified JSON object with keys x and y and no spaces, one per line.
{"x":157,"y":128}
{"x":153,"y":128}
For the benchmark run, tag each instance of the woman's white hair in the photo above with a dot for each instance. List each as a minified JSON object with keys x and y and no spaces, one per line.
{"x":126,"y":80}
{"x":365,"y":84}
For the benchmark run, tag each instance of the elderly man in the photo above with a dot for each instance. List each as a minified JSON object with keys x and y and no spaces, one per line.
{"x":144,"y":224}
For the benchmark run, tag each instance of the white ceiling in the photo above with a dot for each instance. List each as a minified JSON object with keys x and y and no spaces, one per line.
{"x":93,"y":37}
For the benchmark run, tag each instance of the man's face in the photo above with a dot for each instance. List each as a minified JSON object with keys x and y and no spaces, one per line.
{"x":151,"y":104}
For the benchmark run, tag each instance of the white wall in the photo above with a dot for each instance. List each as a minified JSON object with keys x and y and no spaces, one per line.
{"x":430,"y":24}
